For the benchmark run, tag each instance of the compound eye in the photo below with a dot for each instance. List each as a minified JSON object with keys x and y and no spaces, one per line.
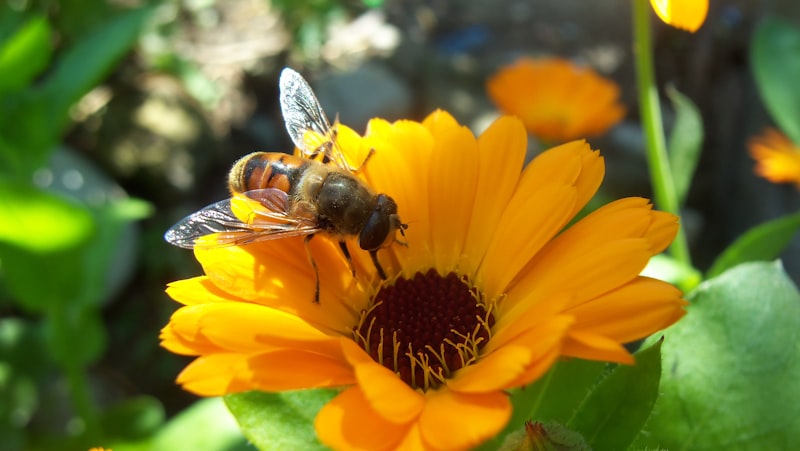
{"x":375,"y":231}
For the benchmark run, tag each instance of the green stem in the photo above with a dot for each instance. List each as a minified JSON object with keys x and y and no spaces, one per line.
{"x":74,"y":370}
{"x":81,"y":399}
{"x":663,"y":186}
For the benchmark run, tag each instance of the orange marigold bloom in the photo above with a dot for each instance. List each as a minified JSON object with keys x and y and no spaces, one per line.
{"x":489,"y":292}
{"x":687,"y":15}
{"x":557,"y":101}
{"x":777,"y":158}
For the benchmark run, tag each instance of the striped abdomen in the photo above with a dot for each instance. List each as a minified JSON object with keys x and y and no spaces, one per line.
{"x":261,"y":170}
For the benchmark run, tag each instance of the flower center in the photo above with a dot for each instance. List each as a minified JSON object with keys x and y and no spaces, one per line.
{"x":425,"y":328}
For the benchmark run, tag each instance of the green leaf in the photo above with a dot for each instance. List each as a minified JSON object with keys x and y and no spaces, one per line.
{"x":557,"y":395}
{"x":615,"y":411}
{"x":684,"y":143}
{"x":89,"y":60}
{"x":553,"y":398}
{"x":134,"y":418}
{"x":41,"y":222}
{"x":775,"y":53}
{"x":205,"y":425}
{"x":25,"y":55}
{"x":76,"y":335}
{"x":761,"y":243}
{"x":278,"y":421}
{"x":731,"y":366}
{"x":22,"y":364}
{"x":663,"y":267}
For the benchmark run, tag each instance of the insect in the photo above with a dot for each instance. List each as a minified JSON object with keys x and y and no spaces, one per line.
{"x":276,"y":195}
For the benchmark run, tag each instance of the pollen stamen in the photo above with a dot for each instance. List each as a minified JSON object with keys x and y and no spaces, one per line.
{"x":441,"y":322}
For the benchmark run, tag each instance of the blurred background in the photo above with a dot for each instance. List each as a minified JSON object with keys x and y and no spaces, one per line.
{"x":118,"y":118}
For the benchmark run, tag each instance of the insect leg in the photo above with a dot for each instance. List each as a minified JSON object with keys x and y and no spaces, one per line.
{"x":346,"y":253}
{"x":364,"y":163}
{"x":313,"y":265}
{"x":374,"y":255}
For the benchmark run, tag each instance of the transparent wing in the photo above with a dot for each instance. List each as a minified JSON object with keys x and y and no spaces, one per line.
{"x":267,"y":219}
{"x":306,"y":121}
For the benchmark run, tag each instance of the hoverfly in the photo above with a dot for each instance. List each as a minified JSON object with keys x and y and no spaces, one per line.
{"x":283,"y":195}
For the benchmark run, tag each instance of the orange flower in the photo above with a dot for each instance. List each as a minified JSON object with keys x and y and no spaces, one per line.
{"x":489,"y":292}
{"x":777,"y":158}
{"x":556,"y":100}
{"x":687,"y":15}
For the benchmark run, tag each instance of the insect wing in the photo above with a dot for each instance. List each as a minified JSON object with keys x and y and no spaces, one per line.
{"x":266,"y":223}
{"x":306,"y":121}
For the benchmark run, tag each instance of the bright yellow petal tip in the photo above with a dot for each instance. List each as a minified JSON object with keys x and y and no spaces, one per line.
{"x":687,"y":15}
{"x":556,"y":100}
{"x":777,"y":158}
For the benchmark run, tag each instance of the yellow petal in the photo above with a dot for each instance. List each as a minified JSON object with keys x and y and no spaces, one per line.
{"x":505,"y":364}
{"x":591,"y":346}
{"x":546,"y":342}
{"x":454,"y":420}
{"x":278,"y":274}
{"x":454,"y":172}
{"x":493,"y":372}
{"x":583,"y":272}
{"x":197,"y":290}
{"x":569,"y":254}
{"x":194,"y":344}
{"x":249,"y":328}
{"x":400,"y":168}
{"x":684,"y":14}
{"x":531,"y":312}
{"x":348,"y":422}
{"x":388,"y":395}
{"x":573,"y":163}
{"x":210,"y":375}
{"x":413,"y":440}
{"x":654,"y":305}
{"x":528,"y":223}
{"x":292,"y":370}
{"x":501,"y":154}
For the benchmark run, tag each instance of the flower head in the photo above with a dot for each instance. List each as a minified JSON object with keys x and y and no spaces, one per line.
{"x":687,"y":15}
{"x":488,"y":293}
{"x":777,"y":158}
{"x":555,"y":99}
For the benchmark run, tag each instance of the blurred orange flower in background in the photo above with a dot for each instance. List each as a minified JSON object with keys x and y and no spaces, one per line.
{"x":777,"y":158}
{"x":556,"y":100}
{"x":687,"y":15}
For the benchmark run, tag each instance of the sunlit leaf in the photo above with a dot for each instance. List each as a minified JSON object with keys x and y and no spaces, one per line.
{"x":39,"y":221}
{"x":280,"y":420}
{"x":205,"y":425}
{"x":775,"y":56}
{"x":761,"y":243}
{"x":668,"y":269}
{"x":685,"y":142}
{"x":617,"y":408}
{"x":25,"y":55}
{"x":731,"y":366}
{"x":88,"y":60}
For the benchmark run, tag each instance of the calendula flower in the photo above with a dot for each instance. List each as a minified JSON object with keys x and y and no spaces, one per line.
{"x":687,"y":15}
{"x":488,"y":293}
{"x":556,"y":100}
{"x":777,"y":158}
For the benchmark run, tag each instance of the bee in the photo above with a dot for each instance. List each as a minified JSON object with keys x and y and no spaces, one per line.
{"x":276,"y":195}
